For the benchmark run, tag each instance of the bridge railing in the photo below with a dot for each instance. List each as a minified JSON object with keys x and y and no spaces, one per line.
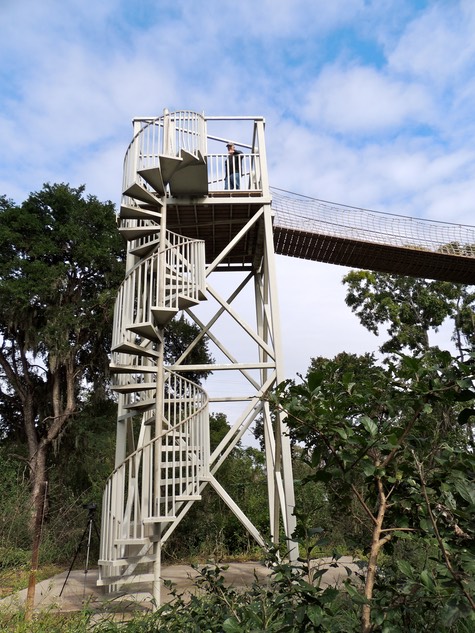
{"x":302,"y":213}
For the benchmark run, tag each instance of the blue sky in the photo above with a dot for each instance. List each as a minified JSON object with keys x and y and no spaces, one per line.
{"x":367,"y":102}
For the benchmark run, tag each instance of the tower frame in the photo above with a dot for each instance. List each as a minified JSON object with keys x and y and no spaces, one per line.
{"x":184,"y":229}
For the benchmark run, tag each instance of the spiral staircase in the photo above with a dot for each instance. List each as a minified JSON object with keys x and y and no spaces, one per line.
{"x":182,"y":226}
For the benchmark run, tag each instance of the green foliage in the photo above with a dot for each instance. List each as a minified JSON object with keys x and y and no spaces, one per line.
{"x":16,"y":504}
{"x":409,"y":308}
{"x":389,"y":439}
{"x":45,"y":622}
{"x":61,"y":261}
{"x":287,"y":603}
{"x":210,"y":529}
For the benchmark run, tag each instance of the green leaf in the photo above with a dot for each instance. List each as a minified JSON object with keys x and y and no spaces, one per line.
{"x":405,"y":568}
{"x":426,"y":580}
{"x":321,"y":475}
{"x":231,"y":625}
{"x":393,"y":439}
{"x":315,"y":379}
{"x":465,"y":490}
{"x":355,"y":595}
{"x":315,"y":614}
{"x":368,"y":468}
{"x":369,"y":425}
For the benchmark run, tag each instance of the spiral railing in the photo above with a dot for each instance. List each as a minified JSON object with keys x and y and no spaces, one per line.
{"x":135,"y":498}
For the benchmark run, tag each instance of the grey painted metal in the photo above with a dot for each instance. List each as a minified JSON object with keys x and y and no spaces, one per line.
{"x":174,"y":178}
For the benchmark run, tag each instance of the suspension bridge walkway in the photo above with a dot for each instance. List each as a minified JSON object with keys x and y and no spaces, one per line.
{"x":317,"y":230}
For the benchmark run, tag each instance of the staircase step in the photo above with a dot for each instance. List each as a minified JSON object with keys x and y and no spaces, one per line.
{"x":146,"y":330}
{"x":125,"y":580}
{"x":130,"y":560}
{"x":146,"y":247}
{"x":163,"y":316}
{"x":131,"y":541}
{"x":141,"y":405}
{"x":131,"y":233}
{"x":168,"y":165}
{"x":186,"y":302}
{"x":160,"y":519}
{"x":116,"y":368}
{"x":191,"y":178}
{"x":139,"y":192}
{"x":134,"y":387}
{"x":127,"y":347}
{"x":188,"y":498}
{"x":128,"y":212}
{"x":153,"y":176}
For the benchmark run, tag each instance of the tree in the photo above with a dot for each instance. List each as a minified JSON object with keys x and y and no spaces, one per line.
{"x":61,"y":261}
{"x":376,"y":433}
{"x":410,"y":308}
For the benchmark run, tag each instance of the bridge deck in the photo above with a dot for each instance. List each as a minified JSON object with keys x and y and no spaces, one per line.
{"x":369,"y":256}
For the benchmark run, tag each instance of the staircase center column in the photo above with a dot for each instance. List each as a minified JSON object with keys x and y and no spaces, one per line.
{"x":159,"y":409}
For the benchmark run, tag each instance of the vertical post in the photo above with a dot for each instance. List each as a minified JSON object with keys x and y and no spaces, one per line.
{"x":283,"y":458}
{"x":159,"y":411}
{"x":263,"y":161}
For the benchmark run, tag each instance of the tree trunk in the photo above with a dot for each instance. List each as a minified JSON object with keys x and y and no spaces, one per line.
{"x":376,"y":544}
{"x":38,"y":497}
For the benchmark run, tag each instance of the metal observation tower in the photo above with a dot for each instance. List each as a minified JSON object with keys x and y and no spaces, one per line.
{"x":184,"y":228}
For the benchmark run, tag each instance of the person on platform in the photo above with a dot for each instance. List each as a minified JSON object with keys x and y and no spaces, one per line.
{"x":233,"y":168}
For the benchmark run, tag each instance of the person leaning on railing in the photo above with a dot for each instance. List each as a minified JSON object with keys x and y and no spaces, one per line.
{"x":233,"y":168}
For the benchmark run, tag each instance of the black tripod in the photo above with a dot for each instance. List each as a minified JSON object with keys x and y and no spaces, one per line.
{"x":91,"y":507}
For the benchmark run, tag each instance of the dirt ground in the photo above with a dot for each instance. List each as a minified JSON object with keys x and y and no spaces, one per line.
{"x":80,"y":588}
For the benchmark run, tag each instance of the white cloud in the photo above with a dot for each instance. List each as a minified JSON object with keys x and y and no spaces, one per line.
{"x":438,"y":45}
{"x":362,"y":100}
{"x":315,"y":320}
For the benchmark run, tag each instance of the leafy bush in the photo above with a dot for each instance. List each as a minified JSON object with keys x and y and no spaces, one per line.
{"x":14,"y":557}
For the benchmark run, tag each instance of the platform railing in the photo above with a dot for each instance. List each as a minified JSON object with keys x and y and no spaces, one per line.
{"x":250,"y":172}
{"x":185,"y":130}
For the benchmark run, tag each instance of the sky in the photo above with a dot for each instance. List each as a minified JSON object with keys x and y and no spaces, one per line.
{"x":368,"y":103}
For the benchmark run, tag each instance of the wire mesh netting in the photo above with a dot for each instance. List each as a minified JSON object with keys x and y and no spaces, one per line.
{"x":302,"y":213}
